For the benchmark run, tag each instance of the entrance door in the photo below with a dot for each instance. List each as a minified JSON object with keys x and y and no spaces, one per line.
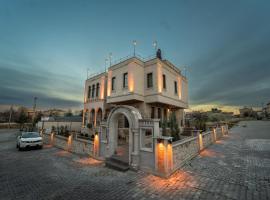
{"x":122,"y":149}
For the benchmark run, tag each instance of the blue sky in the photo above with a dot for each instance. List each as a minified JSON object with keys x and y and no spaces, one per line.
{"x":46,"y":47}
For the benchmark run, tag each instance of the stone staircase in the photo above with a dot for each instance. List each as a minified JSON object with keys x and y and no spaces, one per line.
{"x":115,"y":162}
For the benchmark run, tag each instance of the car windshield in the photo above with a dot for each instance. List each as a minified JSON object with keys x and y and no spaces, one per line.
{"x":30,"y":135}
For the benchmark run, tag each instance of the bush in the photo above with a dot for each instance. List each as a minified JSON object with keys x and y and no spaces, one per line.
{"x":89,"y":125}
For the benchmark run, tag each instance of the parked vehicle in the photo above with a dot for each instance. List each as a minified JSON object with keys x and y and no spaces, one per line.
{"x":29,"y":139}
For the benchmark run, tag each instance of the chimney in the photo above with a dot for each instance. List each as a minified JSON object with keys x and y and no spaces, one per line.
{"x":159,"y":54}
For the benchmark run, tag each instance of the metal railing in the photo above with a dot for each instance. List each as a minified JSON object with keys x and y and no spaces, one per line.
{"x":115,"y":62}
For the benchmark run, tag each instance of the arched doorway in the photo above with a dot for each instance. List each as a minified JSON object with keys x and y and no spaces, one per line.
{"x":86,"y":116}
{"x":92,"y":118}
{"x":131,"y":118}
{"x":99,"y":116}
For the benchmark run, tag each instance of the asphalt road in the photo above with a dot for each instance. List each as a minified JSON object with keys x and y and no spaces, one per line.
{"x":236,"y":167}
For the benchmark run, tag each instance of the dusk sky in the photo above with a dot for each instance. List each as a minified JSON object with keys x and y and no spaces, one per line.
{"x":46,"y":47}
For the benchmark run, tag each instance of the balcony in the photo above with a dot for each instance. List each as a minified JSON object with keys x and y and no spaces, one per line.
{"x":125,"y":97}
{"x":160,"y":98}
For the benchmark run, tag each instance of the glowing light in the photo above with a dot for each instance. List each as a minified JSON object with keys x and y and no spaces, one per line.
{"x":109,"y":85}
{"x":102,"y":87}
{"x":52,"y":135}
{"x":69,"y":142}
{"x":130,"y":78}
{"x":96,"y":145}
{"x":179,"y":80}
{"x":161,"y":151}
{"x":170,"y":156}
{"x":159,"y":77}
{"x":200,"y":142}
{"x":214,"y":134}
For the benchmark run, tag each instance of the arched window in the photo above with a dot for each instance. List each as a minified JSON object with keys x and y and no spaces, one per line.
{"x":99,"y":116}
{"x":89,"y":92}
{"x":97,"y":90}
{"x":93,"y":91}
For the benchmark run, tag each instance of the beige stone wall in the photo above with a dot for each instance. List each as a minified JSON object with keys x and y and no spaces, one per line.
{"x":185,"y":150}
{"x":73,"y":126}
{"x":78,"y":146}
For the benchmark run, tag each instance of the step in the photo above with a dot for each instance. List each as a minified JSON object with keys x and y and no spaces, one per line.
{"x":119,"y":165}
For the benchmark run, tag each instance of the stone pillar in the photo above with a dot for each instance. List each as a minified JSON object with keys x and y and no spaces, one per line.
{"x":135,"y":152}
{"x":163,"y":156}
{"x":156,"y":128}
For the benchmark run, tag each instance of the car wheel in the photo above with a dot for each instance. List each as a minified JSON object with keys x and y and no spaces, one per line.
{"x":19,"y":147}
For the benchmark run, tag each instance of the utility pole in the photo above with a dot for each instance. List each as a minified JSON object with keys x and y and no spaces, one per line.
{"x":10,"y":115}
{"x":34,"y":110}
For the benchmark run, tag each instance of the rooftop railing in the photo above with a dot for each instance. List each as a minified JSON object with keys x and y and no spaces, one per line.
{"x":115,"y":62}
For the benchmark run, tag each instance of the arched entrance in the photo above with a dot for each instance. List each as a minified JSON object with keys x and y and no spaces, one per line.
{"x":99,"y":116}
{"x":132,"y":116}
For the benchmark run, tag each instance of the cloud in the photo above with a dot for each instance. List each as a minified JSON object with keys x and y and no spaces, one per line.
{"x":236,"y":73}
{"x":19,"y":86}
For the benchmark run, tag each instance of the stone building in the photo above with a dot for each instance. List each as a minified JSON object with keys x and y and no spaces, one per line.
{"x":155,"y":87}
{"x":125,"y":105}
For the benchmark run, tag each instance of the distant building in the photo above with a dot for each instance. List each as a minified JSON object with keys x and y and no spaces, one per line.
{"x":246,"y":112}
{"x":54,"y":113}
{"x":216,"y":110}
{"x":268,"y":108}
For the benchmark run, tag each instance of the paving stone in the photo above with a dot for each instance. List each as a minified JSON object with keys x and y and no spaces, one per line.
{"x":236,"y":167}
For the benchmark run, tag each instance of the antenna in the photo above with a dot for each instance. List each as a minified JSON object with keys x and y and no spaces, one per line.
{"x":87,"y":73}
{"x":134,"y":46}
{"x":106,"y":60}
{"x":155,"y":45}
{"x":110,"y":58}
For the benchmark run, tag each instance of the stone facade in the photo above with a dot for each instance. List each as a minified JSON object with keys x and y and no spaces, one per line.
{"x":155,"y":87}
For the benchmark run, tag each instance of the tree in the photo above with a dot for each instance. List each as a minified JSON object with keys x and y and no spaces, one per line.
{"x":22,"y":116}
{"x":81,"y":113}
{"x":37,"y":117}
{"x":174,"y":127}
{"x":200,"y":120}
{"x":68,"y":113}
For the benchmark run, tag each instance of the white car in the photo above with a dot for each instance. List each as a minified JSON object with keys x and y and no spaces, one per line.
{"x":29,"y":139}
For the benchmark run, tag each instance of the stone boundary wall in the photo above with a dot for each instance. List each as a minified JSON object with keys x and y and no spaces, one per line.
{"x":184,"y":151}
{"x":74,"y":145}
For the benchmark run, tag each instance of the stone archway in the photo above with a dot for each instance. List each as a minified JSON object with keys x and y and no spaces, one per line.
{"x":133,"y":116}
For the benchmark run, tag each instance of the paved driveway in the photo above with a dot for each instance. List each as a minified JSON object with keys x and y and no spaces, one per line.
{"x":237,"y":167}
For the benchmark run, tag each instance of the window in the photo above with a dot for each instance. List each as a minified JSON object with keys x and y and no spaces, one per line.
{"x":152,"y":112}
{"x":97,"y":90}
{"x":113,"y":83}
{"x":93,"y":91}
{"x":159,"y":113}
{"x":164,"y":81}
{"x":165,"y":114}
{"x":147,"y":139}
{"x":89,"y":92}
{"x":175,"y":87}
{"x":149,"y":80}
{"x":125,"y":80}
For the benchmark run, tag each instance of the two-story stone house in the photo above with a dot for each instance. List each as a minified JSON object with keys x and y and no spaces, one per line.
{"x":155,"y":87}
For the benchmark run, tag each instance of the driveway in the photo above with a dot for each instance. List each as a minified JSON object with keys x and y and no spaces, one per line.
{"x":236,"y":167}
